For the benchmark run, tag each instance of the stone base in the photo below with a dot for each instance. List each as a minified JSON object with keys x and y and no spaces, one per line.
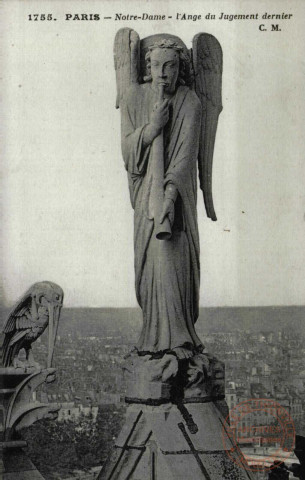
{"x":175,"y":422}
{"x":170,"y":442}
{"x":156,"y":379}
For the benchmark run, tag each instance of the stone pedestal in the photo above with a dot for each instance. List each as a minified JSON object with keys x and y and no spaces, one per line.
{"x":175,"y":430}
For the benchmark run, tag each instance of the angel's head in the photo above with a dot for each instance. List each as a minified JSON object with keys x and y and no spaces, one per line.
{"x":166,"y":64}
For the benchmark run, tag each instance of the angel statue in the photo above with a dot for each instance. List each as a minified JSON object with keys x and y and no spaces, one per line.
{"x":170,"y":100}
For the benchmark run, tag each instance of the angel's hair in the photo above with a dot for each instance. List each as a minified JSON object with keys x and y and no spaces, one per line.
{"x":184,"y":61}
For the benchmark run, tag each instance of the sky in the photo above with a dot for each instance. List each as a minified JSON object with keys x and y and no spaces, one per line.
{"x":66,"y":214}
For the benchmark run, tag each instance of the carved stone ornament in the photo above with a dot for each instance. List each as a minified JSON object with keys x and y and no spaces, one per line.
{"x":38,"y":309}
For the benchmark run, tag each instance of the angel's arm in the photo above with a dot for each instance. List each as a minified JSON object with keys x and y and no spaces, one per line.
{"x":150,"y":133}
{"x":171,"y":192}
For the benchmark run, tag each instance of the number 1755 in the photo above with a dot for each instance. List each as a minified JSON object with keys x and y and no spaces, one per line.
{"x":40,"y":16}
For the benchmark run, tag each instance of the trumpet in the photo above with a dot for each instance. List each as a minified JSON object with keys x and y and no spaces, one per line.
{"x":162,"y":230}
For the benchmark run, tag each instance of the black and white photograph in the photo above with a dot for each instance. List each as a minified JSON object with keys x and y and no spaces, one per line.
{"x":152,"y":301}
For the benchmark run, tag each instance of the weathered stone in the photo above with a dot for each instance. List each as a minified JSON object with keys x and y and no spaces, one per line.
{"x":38,"y":308}
{"x":157,"y":441}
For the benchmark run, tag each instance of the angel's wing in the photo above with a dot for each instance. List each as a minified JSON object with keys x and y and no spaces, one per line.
{"x":126,"y":60}
{"x":17,"y":318}
{"x":207,"y":64}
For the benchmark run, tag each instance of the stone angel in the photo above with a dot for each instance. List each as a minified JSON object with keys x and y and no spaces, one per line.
{"x":170,"y":100}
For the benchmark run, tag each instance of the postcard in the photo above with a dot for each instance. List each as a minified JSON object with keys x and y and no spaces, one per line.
{"x":105,"y":105}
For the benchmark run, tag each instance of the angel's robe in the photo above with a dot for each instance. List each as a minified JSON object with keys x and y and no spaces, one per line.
{"x":166,"y":271}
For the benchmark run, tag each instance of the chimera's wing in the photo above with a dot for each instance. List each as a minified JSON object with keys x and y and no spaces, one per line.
{"x":126,"y":60}
{"x":18,"y":319}
{"x":16,"y":327}
{"x":207,"y":64}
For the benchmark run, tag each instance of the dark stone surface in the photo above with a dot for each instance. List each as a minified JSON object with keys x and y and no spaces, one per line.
{"x":17,"y":466}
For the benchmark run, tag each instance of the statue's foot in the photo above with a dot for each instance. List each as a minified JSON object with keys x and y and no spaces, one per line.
{"x":183,"y":353}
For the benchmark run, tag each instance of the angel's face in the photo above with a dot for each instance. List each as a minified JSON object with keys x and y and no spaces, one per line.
{"x":164,"y":68}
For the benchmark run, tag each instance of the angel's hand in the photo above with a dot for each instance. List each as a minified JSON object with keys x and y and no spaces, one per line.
{"x":158,"y":119}
{"x":160,"y":115}
{"x":168,"y":210}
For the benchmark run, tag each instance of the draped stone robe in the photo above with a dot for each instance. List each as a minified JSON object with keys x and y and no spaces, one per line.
{"x":166,"y":271}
